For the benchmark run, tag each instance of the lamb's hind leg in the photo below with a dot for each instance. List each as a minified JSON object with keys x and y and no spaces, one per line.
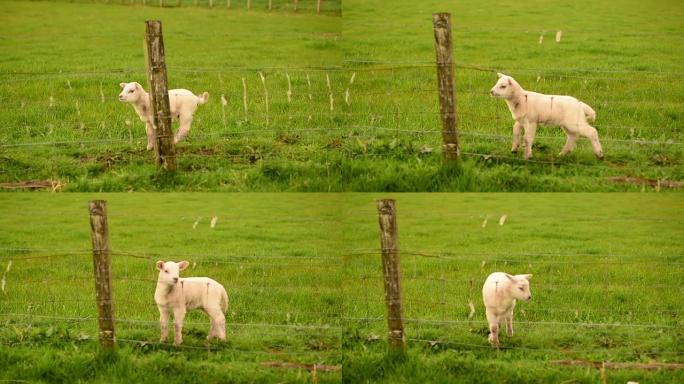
{"x":509,"y":324}
{"x":569,"y":143}
{"x":591,"y":133}
{"x":185,"y":122}
{"x":516,"y":137}
{"x":218,"y":324}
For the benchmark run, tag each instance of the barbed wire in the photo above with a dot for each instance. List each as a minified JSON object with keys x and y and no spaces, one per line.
{"x":546,"y":284}
{"x":527,"y":260}
{"x":386,"y":65}
{"x":521,"y":348}
{"x":521,"y":322}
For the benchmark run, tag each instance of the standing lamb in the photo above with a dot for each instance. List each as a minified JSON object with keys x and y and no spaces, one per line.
{"x":182,"y":103}
{"x":500,"y":292}
{"x":179,"y":295}
{"x":531,"y":108}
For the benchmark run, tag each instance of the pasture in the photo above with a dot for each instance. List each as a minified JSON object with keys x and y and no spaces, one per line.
{"x":309,"y":127}
{"x":606,"y":287}
{"x":273,"y":253}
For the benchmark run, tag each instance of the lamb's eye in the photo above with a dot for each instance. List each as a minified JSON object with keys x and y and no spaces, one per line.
{"x":131,"y":91}
{"x":502,"y":87}
{"x":521,"y":288}
{"x":166,"y":271}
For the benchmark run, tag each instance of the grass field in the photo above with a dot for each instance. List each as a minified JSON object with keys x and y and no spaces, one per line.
{"x":63,"y":122}
{"x":304,"y":280}
{"x":606,"y":286}
{"x":275,"y":258}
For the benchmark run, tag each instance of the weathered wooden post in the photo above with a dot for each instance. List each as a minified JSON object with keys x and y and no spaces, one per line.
{"x":296,"y":4}
{"x":389,"y":242}
{"x":318,"y":6}
{"x":270,"y":5}
{"x":249,"y":4}
{"x":102,"y":260}
{"x":445,"y":75}
{"x":159,"y":95}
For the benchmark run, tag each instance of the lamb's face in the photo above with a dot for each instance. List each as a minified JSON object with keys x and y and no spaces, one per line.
{"x":520,"y":289}
{"x":169,"y":272}
{"x":130,"y":92}
{"x":503,"y":88}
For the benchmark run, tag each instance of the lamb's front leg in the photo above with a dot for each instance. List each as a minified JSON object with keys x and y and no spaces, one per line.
{"x":178,"y":317}
{"x":517,"y":127}
{"x":149,"y":128}
{"x":164,"y":324}
{"x":530,"y":131}
{"x":509,"y":324}
{"x":493,"y":321}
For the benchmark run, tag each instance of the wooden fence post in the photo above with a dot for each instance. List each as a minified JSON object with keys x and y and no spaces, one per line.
{"x":159,"y":95}
{"x":102,"y":260}
{"x":445,"y":75}
{"x":318,"y":6}
{"x":249,"y":4}
{"x":296,"y":3}
{"x":389,"y":242}
{"x":270,"y":5}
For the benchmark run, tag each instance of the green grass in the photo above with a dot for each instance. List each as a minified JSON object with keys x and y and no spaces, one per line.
{"x":276,"y":260}
{"x":606,"y":287}
{"x":622,"y":58}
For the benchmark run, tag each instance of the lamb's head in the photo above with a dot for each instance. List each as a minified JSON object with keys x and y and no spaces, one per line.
{"x":130,"y":92}
{"x":169,"y":271}
{"x":504,"y":87}
{"x":520,"y":286}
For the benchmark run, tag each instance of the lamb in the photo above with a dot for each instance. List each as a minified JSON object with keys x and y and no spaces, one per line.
{"x":500,"y":292}
{"x":182,"y":103}
{"x":179,"y":295}
{"x":530,"y":109}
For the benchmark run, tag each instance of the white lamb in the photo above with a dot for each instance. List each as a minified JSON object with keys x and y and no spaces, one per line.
{"x":182,"y":103}
{"x":531,"y":108}
{"x":179,"y":295}
{"x":500,"y":292}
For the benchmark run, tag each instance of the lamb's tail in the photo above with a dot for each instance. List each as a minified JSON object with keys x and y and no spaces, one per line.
{"x":203,"y":98}
{"x":224,"y":301}
{"x":589,"y":113}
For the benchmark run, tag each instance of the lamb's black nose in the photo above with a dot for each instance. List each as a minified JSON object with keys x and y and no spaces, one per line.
{"x":175,"y":279}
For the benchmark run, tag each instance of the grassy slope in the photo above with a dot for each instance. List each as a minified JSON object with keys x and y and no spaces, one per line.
{"x":274,"y":258}
{"x":365,"y":146}
{"x":595,"y":258}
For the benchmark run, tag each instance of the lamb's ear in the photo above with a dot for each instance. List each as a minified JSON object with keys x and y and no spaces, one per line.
{"x":160,"y":265}
{"x":509,"y":81}
{"x":182,"y":265}
{"x":122,"y":85}
{"x":510,"y":277}
{"x":500,"y":75}
{"x":526,"y":277}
